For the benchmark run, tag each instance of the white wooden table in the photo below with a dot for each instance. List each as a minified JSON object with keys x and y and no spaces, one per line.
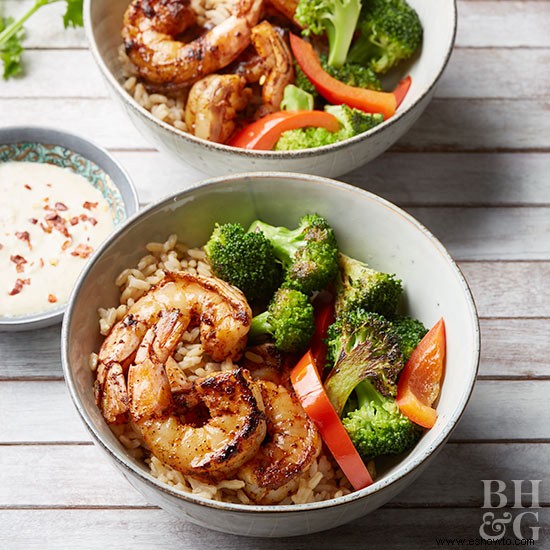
{"x":475,"y":169}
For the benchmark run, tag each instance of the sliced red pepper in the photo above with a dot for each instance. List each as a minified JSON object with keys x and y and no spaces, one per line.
{"x":337,"y":92}
{"x":312,"y":396}
{"x":402,"y":89}
{"x":419,"y":383}
{"x":324,"y":317}
{"x":265,"y":132}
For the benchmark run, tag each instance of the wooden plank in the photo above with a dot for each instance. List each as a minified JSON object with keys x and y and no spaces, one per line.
{"x":480,"y":125}
{"x":490,"y":233}
{"x":60,"y":476}
{"x":414,"y":179}
{"x":46,"y":69}
{"x":509,"y":24}
{"x":521,"y":405}
{"x":47,"y":403}
{"x":471,"y":74}
{"x":506,"y":410}
{"x":510,"y":289}
{"x":407,"y":179}
{"x":477,"y":124}
{"x":33,"y":354}
{"x":515,"y":348}
{"x":474,"y":72}
{"x":398,"y":529}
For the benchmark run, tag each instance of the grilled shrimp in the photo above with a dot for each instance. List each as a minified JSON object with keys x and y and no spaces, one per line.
{"x":231,"y":431}
{"x":292,"y":444}
{"x":286,"y":7}
{"x":213,"y":104}
{"x":277,"y":61}
{"x":149,"y":29}
{"x":220,"y":309}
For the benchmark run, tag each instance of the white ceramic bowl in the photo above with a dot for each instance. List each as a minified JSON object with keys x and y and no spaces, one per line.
{"x":103,"y":21}
{"x":81,"y":156}
{"x":368,"y":228}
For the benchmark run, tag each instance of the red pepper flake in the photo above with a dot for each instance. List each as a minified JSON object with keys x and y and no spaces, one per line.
{"x":25,"y":237}
{"x":18,"y":287}
{"x":57,"y":222}
{"x":41,"y":262}
{"x":48,"y":185}
{"x":34,"y":221}
{"x":1,"y":246}
{"x":73,"y":220}
{"x":66,"y":244}
{"x":82,"y":251}
{"x":19,"y":261}
{"x":60,"y":206}
{"x":93,"y":221}
{"x":89,"y":205}
{"x":52,"y":298}
{"x":27,"y":186}
{"x":45,"y":228}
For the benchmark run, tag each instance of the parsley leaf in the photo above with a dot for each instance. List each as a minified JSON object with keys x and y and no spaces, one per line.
{"x":73,"y":14}
{"x":10,"y":52}
{"x":12,"y":32}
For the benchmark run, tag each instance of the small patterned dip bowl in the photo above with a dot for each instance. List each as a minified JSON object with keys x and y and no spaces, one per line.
{"x":44,"y":145}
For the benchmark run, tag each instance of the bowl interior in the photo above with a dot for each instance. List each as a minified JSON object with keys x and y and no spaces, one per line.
{"x":104,"y":23}
{"x":42,"y":145}
{"x":367,"y":228}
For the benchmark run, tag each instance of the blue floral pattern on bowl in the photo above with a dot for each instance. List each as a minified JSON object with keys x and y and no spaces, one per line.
{"x":65,"y":158}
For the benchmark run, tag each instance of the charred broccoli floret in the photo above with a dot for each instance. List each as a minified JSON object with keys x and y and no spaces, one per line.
{"x":245,"y":260}
{"x":338,"y":18}
{"x":308,"y":253}
{"x":359,"y":286}
{"x":377,"y":426}
{"x":364,"y":346}
{"x":288,"y":319}
{"x":410,"y":332}
{"x":390,"y":32}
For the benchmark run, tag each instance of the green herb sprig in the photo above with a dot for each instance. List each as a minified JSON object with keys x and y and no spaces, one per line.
{"x":12,"y":33}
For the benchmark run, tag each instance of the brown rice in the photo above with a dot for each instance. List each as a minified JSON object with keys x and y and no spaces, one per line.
{"x":323,"y":480}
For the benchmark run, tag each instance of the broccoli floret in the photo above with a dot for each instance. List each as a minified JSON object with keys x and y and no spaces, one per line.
{"x":410,"y":332}
{"x":357,"y":285}
{"x":303,"y":82}
{"x":365,"y":347}
{"x":288,"y":319}
{"x":377,"y":426}
{"x":309,"y":253}
{"x":305,"y":138}
{"x":353,"y":122}
{"x":337,"y":17}
{"x":296,"y":99}
{"x":390,"y":32}
{"x":245,"y":260}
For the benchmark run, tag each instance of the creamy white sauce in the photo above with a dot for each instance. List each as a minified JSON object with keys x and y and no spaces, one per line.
{"x":51,"y":221}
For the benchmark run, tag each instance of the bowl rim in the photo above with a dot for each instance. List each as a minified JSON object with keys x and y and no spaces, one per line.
{"x":220,"y":147}
{"x":402,"y":470}
{"x":87,"y":148}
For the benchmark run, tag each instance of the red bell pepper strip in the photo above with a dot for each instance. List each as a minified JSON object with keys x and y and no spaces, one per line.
{"x":324,"y":317}
{"x":337,"y":92}
{"x":419,"y":383}
{"x":264,"y":133}
{"x":312,"y":396}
